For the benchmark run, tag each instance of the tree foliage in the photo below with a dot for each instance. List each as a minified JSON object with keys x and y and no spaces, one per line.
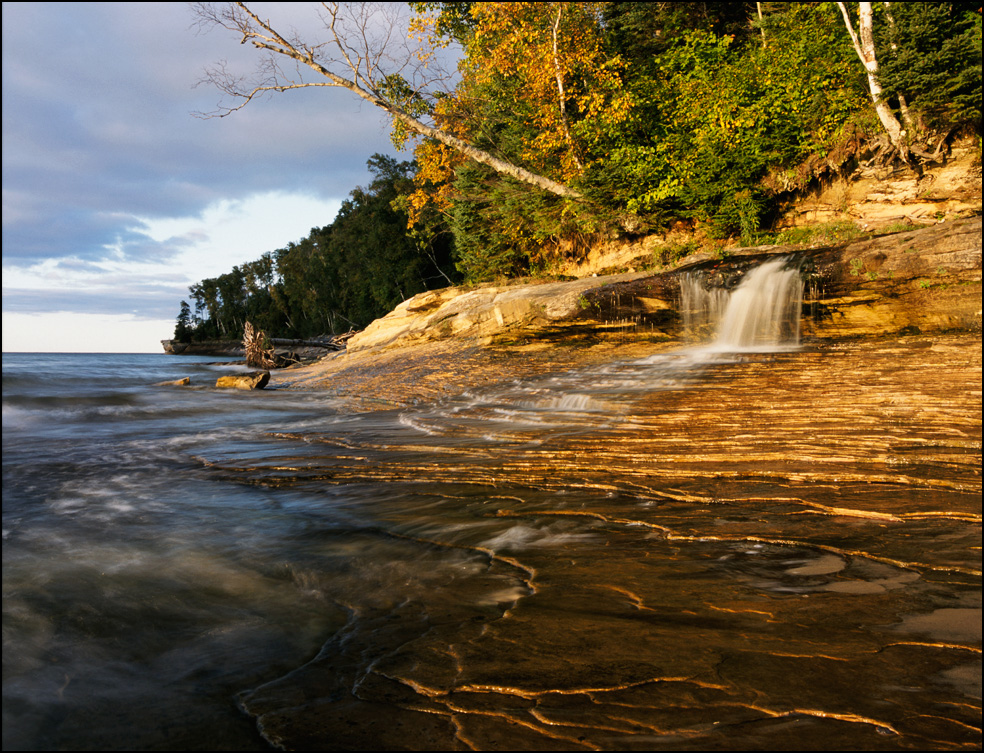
{"x":627,"y":115}
{"x":730,"y":113}
{"x":934,"y":61}
{"x":652,"y":111}
{"x":340,"y":276}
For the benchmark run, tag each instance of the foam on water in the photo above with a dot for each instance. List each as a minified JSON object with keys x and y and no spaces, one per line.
{"x":527,"y":537}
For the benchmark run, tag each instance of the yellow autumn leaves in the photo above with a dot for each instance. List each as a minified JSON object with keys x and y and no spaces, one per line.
{"x":545,"y":67}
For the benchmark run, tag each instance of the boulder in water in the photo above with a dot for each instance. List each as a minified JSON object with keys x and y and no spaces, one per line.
{"x":183,"y":382}
{"x":254,"y":380}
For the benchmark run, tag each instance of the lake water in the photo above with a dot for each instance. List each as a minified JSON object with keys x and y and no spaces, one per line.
{"x":690,"y":551}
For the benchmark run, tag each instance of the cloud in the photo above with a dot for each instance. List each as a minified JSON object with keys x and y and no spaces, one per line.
{"x":101,"y":151}
{"x":147,"y":268}
{"x":97,"y":103}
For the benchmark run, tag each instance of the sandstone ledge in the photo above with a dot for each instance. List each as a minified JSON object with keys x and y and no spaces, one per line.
{"x":925,"y":281}
{"x":928,"y":279}
{"x":482,"y":312}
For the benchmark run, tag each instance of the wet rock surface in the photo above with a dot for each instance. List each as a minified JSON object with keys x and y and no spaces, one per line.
{"x":183,"y":382}
{"x":254,"y":380}
{"x":768,"y":551}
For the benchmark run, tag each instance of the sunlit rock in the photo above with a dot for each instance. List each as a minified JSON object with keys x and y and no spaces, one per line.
{"x":925,"y":280}
{"x":255,"y":380}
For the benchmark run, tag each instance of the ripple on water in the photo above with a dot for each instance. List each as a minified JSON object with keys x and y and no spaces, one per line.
{"x":771,"y":553}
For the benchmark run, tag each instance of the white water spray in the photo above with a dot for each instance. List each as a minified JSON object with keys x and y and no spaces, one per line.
{"x":761,"y":314}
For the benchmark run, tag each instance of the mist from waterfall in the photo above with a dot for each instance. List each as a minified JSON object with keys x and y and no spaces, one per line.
{"x":761,"y":313}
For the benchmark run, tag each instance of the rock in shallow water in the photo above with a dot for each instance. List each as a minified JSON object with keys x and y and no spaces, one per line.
{"x":254,"y":380}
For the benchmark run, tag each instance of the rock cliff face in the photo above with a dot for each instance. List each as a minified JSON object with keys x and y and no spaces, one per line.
{"x":874,"y":197}
{"x":442,"y":342}
{"x":926,"y":280}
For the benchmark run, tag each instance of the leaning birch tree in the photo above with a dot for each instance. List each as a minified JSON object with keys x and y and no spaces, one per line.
{"x":864,"y":45}
{"x":364,"y":50}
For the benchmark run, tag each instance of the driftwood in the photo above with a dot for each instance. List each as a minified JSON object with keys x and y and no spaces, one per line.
{"x":257,"y":356}
{"x":338,"y":342}
{"x":264,"y":352}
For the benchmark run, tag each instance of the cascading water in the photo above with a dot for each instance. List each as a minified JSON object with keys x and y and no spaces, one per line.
{"x":701,"y":307}
{"x":762,"y":313}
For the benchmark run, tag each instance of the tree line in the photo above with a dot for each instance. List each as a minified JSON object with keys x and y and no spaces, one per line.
{"x":569,"y":122}
{"x":339,"y":277}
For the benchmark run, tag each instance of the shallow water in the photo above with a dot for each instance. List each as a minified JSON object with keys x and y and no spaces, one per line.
{"x":691,"y":551}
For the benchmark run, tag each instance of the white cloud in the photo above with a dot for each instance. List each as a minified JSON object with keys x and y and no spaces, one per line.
{"x":145,"y":290}
{"x":229,"y":233}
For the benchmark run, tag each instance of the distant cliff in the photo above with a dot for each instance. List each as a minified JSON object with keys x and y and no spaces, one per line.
{"x":289,"y":350}
{"x":230,"y":348}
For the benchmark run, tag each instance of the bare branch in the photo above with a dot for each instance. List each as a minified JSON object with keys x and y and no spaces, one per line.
{"x":365,"y":52}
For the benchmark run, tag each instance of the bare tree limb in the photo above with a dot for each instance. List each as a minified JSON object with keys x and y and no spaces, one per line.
{"x":379,"y":66}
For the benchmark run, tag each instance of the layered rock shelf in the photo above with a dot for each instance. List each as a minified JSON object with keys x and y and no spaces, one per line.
{"x":443,"y":342}
{"x":925,"y":280}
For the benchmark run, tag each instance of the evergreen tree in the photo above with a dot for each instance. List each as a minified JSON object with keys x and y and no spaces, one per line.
{"x":183,"y":329}
{"x":933,"y":60}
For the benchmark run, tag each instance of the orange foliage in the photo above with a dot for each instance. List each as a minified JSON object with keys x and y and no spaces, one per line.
{"x":539,"y":50}
{"x":533,"y":52}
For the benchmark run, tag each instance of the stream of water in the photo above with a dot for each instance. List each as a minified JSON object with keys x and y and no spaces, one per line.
{"x":749,"y":545}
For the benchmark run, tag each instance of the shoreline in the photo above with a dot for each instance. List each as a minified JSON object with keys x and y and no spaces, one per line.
{"x":920,"y":283}
{"x":923,"y":284}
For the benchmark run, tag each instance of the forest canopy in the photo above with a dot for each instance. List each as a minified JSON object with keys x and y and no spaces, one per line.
{"x":339,"y":277}
{"x":643,"y":114}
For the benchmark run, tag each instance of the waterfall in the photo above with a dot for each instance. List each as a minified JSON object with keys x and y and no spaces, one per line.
{"x":701,"y":307}
{"x":762,"y":313}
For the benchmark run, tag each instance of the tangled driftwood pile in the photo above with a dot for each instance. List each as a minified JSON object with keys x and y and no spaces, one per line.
{"x":276,"y":353}
{"x":257,"y":355}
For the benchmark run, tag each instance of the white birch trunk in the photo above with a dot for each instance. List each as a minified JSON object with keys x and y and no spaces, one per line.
{"x":560,"y":91}
{"x":865,"y":47}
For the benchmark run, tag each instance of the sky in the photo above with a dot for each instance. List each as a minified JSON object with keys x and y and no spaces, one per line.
{"x":116,"y":197}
